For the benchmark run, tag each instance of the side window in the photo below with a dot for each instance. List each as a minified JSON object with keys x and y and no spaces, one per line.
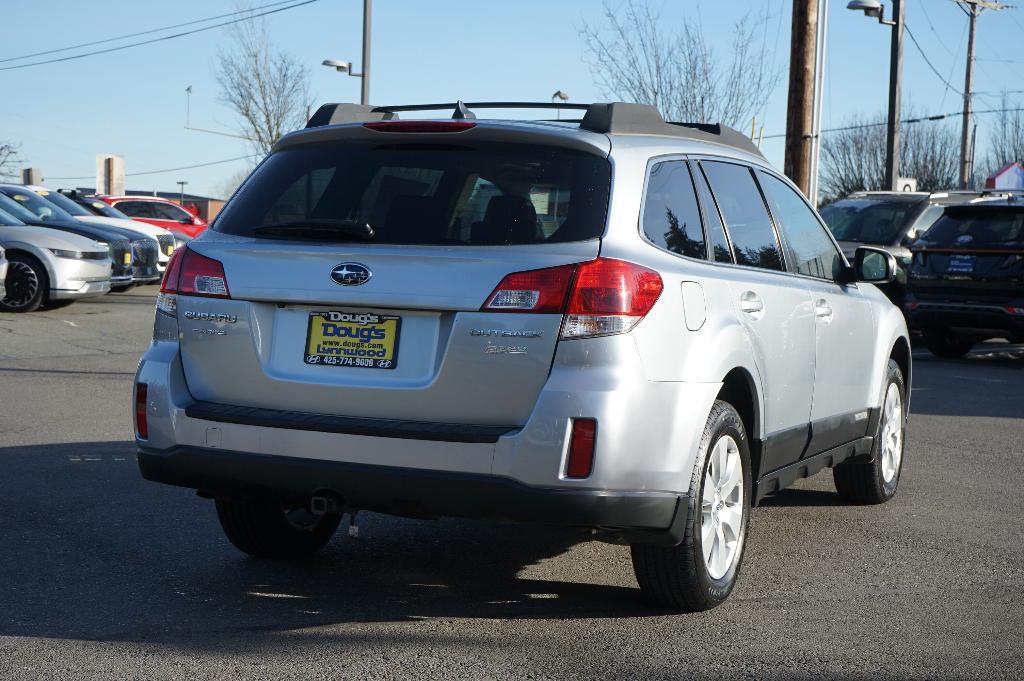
{"x":810,"y":249}
{"x":712,"y":220}
{"x":923,"y":223}
{"x":168,"y":212}
{"x":746,"y":217}
{"x":136,"y":209}
{"x":671,"y":217}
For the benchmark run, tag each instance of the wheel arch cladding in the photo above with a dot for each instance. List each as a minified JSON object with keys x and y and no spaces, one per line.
{"x":739,"y":390}
{"x":900,"y":353}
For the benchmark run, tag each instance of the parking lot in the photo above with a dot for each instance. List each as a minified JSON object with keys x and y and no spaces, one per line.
{"x":104,"y":575}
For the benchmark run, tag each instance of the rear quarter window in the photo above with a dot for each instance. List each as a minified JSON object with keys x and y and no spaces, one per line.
{"x":488,"y":194}
{"x":671,"y":218}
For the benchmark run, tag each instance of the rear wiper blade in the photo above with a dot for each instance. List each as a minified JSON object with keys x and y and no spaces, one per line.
{"x":319,"y":228}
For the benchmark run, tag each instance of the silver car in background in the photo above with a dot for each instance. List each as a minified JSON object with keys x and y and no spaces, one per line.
{"x":635,"y":328}
{"x":48,"y":267}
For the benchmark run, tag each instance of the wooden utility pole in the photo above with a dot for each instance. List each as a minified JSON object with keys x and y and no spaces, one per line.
{"x":800,"y":104}
{"x":972,"y":8}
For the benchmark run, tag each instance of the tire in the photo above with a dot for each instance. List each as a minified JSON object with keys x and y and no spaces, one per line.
{"x":680,"y":577}
{"x":27,"y":284}
{"x":947,"y":344}
{"x":264,"y":528}
{"x":876,"y":482}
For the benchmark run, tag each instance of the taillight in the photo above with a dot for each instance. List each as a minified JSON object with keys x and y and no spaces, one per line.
{"x":1014,"y":310}
{"x":202,"y":276}
{"x":532,"y":291}
{"x":581,"y":448}
{"x":598,"y":298}
{"x":609,"y":296}
{"x":141,"y":423}
{"x":167,"y":299}
{"x":420,"y":126}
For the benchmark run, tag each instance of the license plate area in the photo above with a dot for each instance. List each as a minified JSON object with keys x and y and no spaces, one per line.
{"x":961,"y":264}
{"x":360,"y":340}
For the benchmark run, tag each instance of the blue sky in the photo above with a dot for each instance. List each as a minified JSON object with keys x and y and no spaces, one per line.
{"x":133,"y":102}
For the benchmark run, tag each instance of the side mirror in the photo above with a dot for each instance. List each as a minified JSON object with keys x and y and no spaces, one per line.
{"x":874,"y":265}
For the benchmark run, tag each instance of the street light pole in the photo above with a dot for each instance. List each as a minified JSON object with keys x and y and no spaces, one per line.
{"x":873,"y":8}
{"x":365,"y":96}
{"x":892,"y":133}
{"x":181,"y":192}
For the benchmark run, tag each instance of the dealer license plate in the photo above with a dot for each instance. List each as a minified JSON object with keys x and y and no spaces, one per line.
{"x":365,"y":340}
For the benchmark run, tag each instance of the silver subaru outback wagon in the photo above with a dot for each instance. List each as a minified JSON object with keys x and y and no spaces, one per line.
{"x":618,"y":324}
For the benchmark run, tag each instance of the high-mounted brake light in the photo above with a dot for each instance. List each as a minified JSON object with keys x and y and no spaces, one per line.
{"x":598,"y":298}
{"x":420,"y":126}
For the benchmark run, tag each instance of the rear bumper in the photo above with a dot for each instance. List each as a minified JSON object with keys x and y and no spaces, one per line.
{"x":981,"y":320}
{"x":649,"y":517}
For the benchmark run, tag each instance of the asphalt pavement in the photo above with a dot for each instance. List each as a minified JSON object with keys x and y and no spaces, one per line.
{"x":104,"y":575}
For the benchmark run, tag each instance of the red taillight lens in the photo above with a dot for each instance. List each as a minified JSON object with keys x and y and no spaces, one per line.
{"x":598,"y":297}
{"x":202,"y":276}
{"x":581,"y":448}
{"x":169,"y":284}
{"x":420,"y":126}
{"x":533,"y":291}
{"x":610,"y":296}
{"x":1014,"y":310}
{"x":141,"y":423}
{"x":614,"y":287}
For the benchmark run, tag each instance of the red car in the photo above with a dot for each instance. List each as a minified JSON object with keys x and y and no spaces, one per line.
{"x":159,"y":212}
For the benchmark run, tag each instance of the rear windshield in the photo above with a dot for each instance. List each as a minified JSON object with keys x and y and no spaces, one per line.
{"x":426,"y":194}
{"x":869,"y":221}
{"x":995,"y":226}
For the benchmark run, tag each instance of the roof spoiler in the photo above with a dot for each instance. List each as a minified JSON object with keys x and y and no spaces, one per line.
{"x":622,"y":118}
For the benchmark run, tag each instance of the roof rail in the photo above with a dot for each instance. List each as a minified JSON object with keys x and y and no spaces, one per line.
{"x":622,"y":118}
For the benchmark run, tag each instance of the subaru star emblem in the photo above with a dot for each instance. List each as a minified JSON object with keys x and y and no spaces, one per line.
{"x":351,"y":274}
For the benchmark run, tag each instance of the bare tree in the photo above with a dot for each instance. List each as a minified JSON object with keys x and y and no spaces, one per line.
{"x":635,"y":57}
{"x":1007,"y":140}
{"x":8,"y":159}
{"x":266,"y":87}
{"x":853,"y":158}
{"x":232,"y":182}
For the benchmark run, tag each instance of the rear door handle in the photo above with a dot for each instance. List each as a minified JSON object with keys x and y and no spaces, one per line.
{"x":751,"y":303}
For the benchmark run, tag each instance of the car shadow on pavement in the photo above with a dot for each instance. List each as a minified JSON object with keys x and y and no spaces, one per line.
{"x":796,"y":497}
{"x":89,"y":550}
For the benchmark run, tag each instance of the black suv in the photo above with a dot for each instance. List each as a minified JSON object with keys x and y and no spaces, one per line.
{"x":893,"y":221}
{"x":966,"y":279}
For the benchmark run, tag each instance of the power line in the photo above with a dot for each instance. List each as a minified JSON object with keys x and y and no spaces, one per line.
{"x":929,"y":63}
{"x":147,"y":32}
{"x":157,"y":40}
{"x":921,"y":119}
{"x":164,"y":170}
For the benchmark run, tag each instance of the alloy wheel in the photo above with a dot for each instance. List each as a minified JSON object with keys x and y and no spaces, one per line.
{"x":22,"y":284}
{"x":722,"y":508}
{"x":892,"y":433}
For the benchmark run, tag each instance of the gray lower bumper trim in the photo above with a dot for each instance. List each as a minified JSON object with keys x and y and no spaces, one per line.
{"x":651,"y":516}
